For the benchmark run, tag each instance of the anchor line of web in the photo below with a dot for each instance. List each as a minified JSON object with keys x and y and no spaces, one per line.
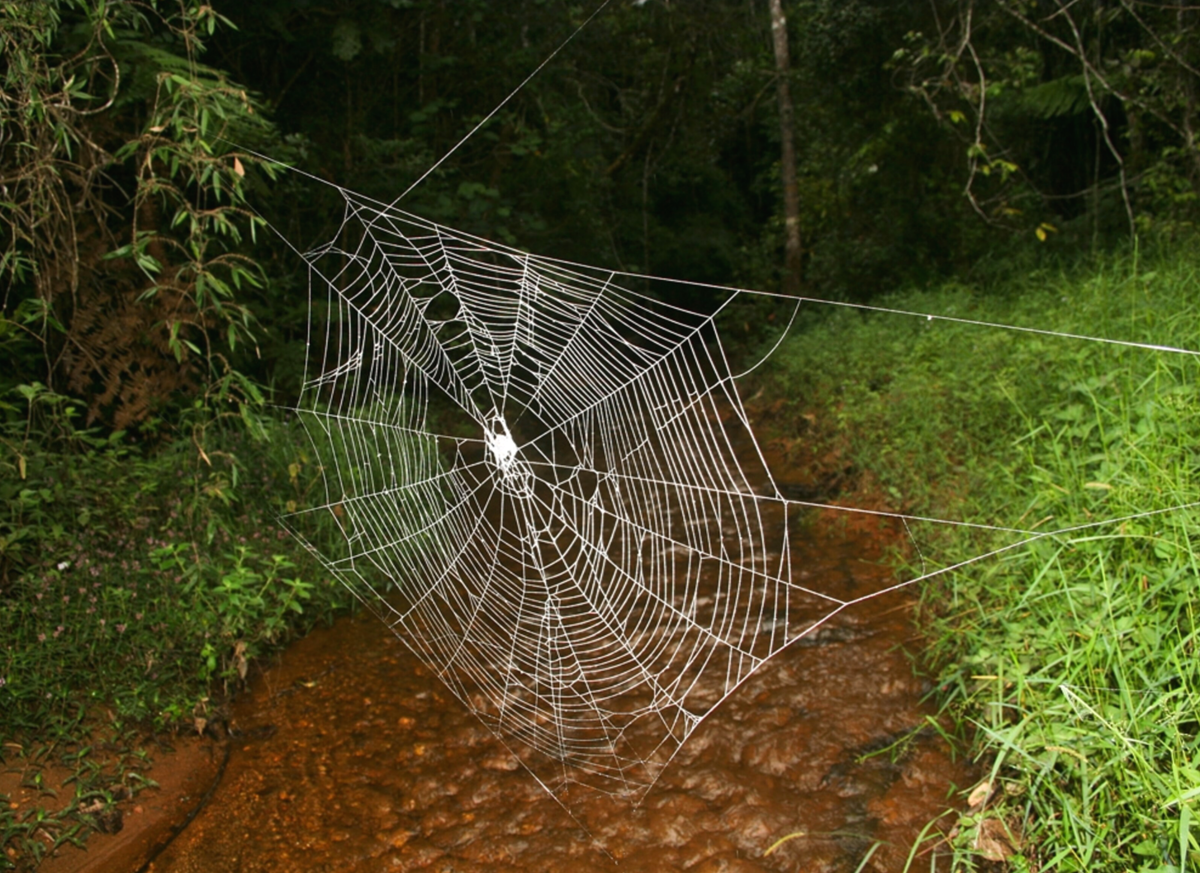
{"x":502,"y":103}
{"x":866,"y":307}
{"x":1035,"y":537}
{"x":786,"y":501}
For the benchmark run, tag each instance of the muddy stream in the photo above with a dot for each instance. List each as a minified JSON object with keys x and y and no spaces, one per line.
{"x":348,"y":755}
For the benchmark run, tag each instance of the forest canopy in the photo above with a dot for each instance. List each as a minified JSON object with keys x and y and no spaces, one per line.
{"x":140,"y":140}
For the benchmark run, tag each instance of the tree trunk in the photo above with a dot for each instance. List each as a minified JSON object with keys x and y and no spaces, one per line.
{"x":787,"y":154}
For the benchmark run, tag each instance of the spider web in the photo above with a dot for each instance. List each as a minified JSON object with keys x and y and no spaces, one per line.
{"x":546,"y":484}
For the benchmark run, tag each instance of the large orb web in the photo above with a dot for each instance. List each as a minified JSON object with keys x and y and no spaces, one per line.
{"x":546,"y":484}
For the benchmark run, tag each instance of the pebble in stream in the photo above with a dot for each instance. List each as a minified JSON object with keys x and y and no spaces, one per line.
{"x":353,"y":757}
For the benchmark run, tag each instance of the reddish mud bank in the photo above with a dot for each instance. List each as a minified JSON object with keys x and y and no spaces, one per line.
{"x":132,"y":829}
{"x":350,"y":756}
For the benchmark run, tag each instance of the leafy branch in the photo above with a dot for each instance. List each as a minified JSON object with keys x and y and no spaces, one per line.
{"x":123,"y":197}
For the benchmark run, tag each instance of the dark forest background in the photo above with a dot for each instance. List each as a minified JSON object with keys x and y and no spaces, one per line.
{"x":139,"y":272}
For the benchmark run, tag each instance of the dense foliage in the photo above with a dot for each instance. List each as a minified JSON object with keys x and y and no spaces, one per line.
{"x":649,"y":144}
{"x":125,"y":209}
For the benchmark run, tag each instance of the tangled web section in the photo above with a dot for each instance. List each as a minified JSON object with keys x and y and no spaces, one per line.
{"x":548,"y":487}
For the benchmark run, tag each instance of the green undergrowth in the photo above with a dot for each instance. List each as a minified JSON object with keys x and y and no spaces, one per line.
{"x":1073,"y":656}
{"x":138,"y":587}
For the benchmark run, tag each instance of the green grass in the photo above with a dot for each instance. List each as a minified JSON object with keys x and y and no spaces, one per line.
{"x":1074,"y":658}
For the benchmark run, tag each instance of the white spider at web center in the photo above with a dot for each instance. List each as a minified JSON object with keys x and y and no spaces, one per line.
{"x":515,"y":476}
{"x":501,"y":445}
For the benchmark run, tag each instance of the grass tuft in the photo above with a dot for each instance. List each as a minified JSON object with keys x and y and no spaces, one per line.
{"x":1073,"y":658}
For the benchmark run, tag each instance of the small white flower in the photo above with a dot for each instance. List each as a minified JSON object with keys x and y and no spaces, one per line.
{"x":62,"y":565}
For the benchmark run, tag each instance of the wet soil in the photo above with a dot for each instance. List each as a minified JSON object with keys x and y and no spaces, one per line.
{"x":350,"y":756}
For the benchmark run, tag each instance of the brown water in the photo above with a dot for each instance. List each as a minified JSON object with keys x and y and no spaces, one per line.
{"x":350,"y":756}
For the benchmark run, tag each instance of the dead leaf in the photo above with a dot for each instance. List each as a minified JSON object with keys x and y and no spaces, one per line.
{"x":238,"y":168}
{"x":200,"y":724}
{"x":995,"y":841}
{"x":239,"y":659}
{"x":980,"y":794}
